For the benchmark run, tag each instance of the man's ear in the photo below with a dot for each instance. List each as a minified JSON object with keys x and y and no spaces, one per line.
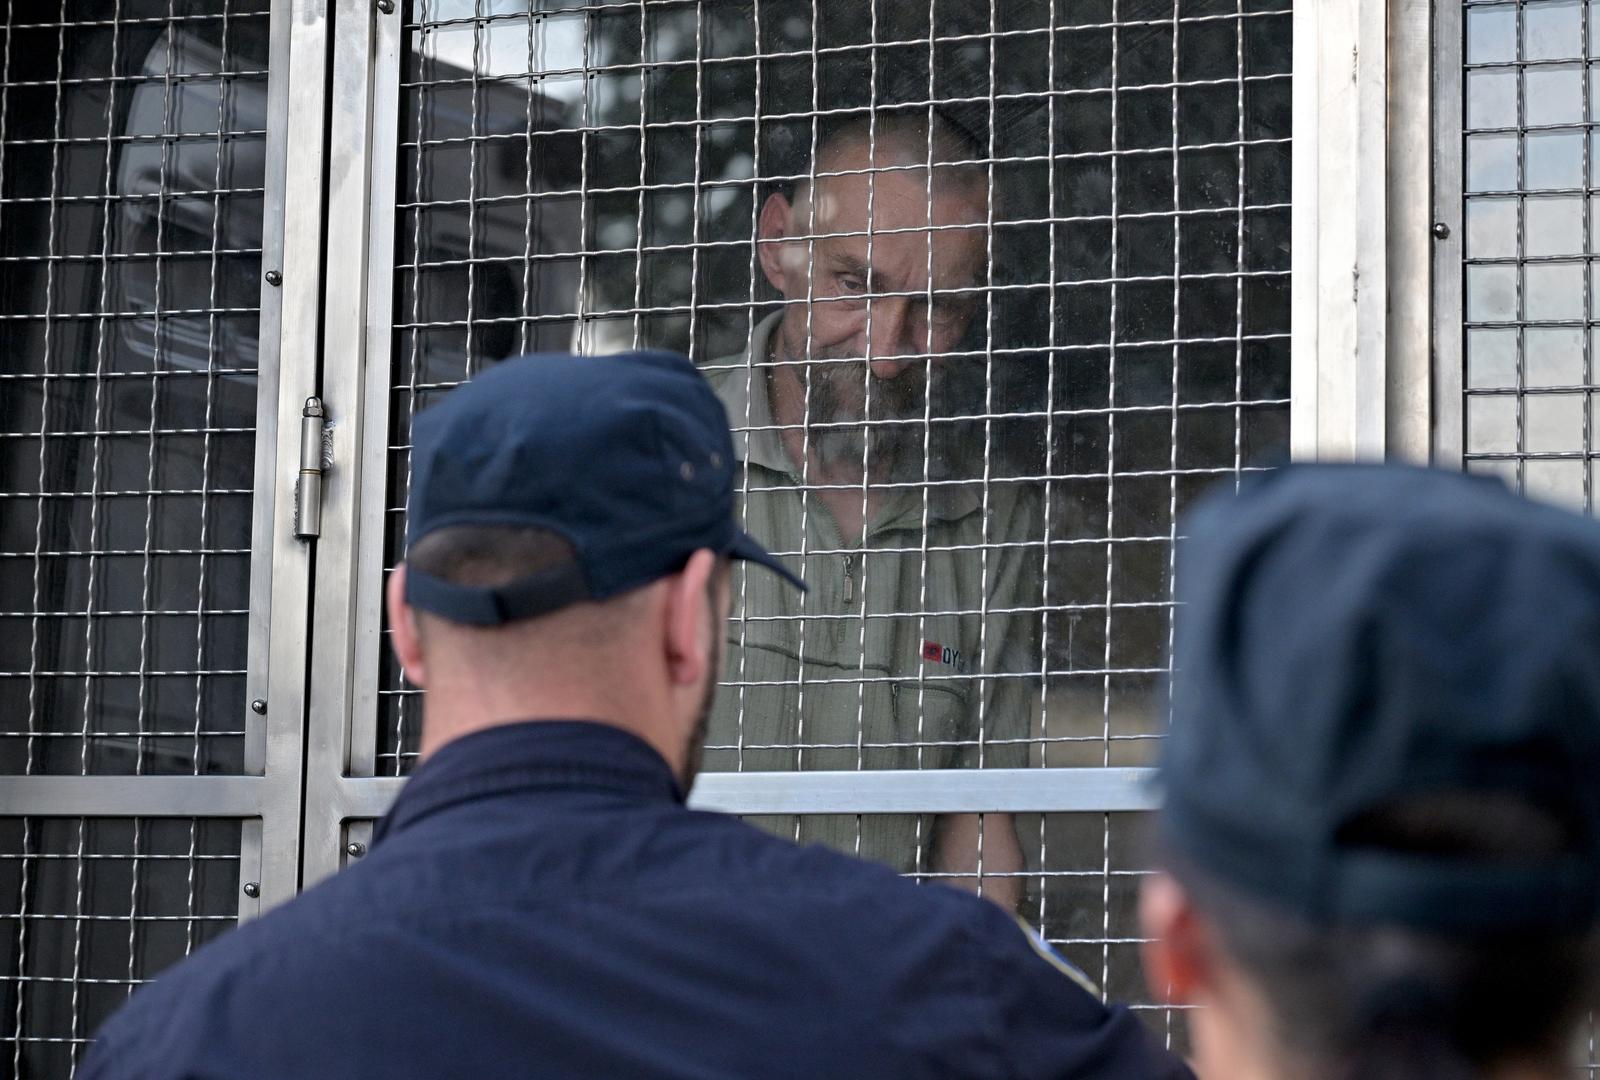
{"x":1177,"y":953}
{"x":688,"y":640}
{"x":771,"y":229}
{"x":403,"y":634}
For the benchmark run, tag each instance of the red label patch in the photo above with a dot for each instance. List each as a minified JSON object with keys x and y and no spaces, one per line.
{"x":935,"y":653}
{"x":932,"y":650}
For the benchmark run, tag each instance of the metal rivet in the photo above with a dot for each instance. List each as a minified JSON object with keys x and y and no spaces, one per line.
{"x":686,"y":471}
{"x":259,"y":706}
{"x":252,"y":889}
{"x":386,"y":6}
{"x":1441,"y":231}
{"x":355,"y":849}
{"x":274,"y":278}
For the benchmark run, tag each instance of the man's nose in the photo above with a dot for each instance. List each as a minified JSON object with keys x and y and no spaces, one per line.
{"x":891,"y":337}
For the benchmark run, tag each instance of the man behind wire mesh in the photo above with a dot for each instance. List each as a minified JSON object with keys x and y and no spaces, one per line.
{"x":1382,"y":821}
{"x":540,"y":902}
{"x":910,"y":651}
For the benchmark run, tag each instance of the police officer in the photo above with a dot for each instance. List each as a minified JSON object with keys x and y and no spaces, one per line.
{"x":1382,"y":818}
{"x":540,"y":901}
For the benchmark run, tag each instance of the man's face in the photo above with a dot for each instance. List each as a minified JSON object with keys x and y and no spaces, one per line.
{"x":882,"y":302}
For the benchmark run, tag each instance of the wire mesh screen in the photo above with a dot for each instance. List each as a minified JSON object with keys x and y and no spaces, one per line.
{"x":1529,"y":97}
{"x":991,"y":291}
{"x":131,"y":162}
{"x":89,"y":909}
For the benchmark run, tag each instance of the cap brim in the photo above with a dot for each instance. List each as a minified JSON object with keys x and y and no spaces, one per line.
{"x":745,"y":547}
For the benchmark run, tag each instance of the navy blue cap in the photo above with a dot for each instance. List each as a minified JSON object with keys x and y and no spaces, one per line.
{"x":1352,"y":636}
{"x":628,"y":457}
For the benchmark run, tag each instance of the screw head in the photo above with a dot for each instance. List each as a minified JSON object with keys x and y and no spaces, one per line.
{"x":355,"y":849}
{"x":259,"y":706}
{"x":1441,"y":231}
{"x":274,"y":278}
{"x":252,"y":889}
{"x":386,"y":6}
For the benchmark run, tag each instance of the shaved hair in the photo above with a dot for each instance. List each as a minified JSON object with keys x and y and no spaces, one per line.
{"x":900,"y":138}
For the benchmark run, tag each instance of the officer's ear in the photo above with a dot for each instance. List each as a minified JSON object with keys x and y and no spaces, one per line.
{"x":403,"y":633}
{"x":688,"y":638}
{"x":1177,"y":952}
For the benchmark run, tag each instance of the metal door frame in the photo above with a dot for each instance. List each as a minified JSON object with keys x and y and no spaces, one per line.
{"x":1449,"y":251}
{"x":1361,"y":372}
{"x":267,"y":796}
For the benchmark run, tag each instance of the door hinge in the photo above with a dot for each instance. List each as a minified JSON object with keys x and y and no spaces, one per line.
{"x":308,"y":489}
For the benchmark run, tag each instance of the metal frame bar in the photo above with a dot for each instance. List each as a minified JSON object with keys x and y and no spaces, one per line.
{"x":292,"y":245}
{"x":932,"y":791}
{"x":1339,"y":246}
{"x":1449,"y":252}
{"x":1409,"y":351}
{"x":343,"y":602}
{"x":134,"y":796}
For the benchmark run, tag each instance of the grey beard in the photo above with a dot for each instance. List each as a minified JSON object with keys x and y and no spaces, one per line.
{"x":892,"y":453}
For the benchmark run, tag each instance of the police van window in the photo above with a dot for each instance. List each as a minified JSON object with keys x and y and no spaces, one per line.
{"x":131,"y":237}
{"x":132,"y":148}
{"x":990,"y":292}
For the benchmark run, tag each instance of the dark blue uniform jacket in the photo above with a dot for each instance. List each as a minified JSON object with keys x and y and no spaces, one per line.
{"x":541,"y":903}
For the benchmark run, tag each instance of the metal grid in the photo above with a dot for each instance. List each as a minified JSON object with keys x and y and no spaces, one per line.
{"x":89,"y":909}
{"x":1519,"y":154}
{"x":594,"y":175}
{"x":131,"y":162}
{"x":1529,"y":302}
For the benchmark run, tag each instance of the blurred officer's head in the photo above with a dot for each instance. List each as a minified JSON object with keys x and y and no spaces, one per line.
{"x":1380,"y":833}
{"x":879,"y":254}
{"x":569,"y":529}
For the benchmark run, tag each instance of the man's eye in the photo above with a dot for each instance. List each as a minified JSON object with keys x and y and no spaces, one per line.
{"x":851,"y":283}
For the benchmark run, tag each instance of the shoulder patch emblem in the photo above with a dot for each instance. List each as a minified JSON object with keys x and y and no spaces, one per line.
{"x":1055,"y":960}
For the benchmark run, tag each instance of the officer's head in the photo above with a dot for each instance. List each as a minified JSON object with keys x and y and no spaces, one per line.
{"x":569,"y":529}
{"x":1380,"y":833}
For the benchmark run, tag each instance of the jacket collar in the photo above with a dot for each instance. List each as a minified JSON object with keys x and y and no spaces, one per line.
{"x":550,"y":755}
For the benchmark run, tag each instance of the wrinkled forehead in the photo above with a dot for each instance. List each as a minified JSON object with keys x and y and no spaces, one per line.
{"x":887,"y":185}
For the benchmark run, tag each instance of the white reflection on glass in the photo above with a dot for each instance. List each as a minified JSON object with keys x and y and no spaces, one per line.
{"x":1559,"y":482}
{"x":1552,"y":356}
{"x":1504,"y":471}
{"x":1552,"y":423}
{"x":1491,"y":358}
{"x":1491,"y":293}
{"x":1492,"y":98}
{"x":1554,"y":226}
{"x":1491,"y":228}
{"x":1492,"y":424}
{"x":544,"y":43}
{"x":1552,"y":159}
{"x":1491,"y":162}
{"x":1552,"y":31}
{"x":1553,"y":95}
{"x":1491,"y":34}
{"x":1552,"y":291}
